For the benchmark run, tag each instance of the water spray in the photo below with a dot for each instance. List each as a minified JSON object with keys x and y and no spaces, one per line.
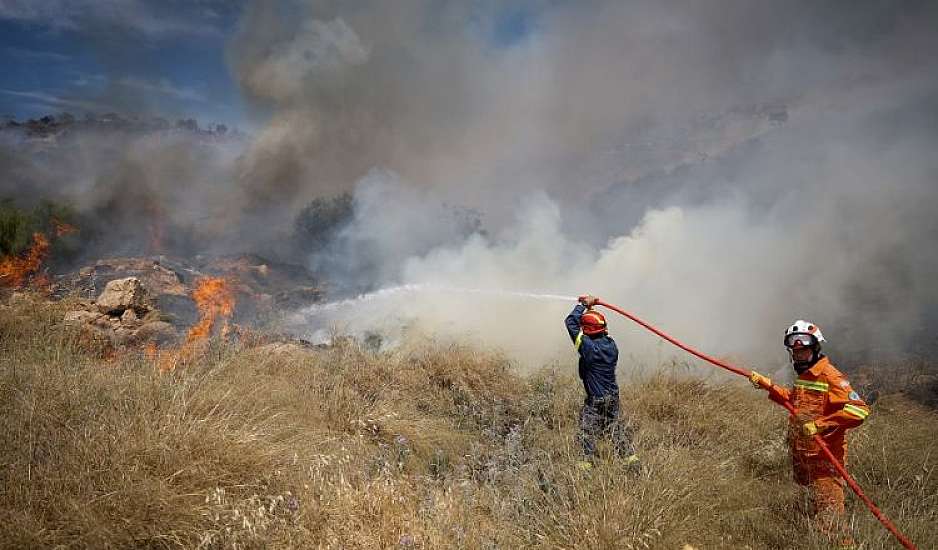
{"x":391,"y":292}
{"x":306,"y":318}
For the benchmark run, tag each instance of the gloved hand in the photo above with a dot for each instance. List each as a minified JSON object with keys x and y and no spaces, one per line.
{"x":808,"y":425}
{"x":809,"y":429}
{"x":588,"y":300}
{"x":760,"y":382}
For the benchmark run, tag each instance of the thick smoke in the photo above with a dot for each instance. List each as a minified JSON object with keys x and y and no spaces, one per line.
{"x":135,"y":192}
{"x":720,"y":169}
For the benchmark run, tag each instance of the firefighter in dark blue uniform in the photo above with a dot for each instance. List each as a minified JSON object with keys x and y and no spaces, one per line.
{"x":597,"y":368}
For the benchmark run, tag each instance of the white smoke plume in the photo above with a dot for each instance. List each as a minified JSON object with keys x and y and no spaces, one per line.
{"x":720,"y":169}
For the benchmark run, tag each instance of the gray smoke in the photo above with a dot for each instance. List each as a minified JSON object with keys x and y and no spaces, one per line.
{"x":135,"y":192}
{"x":720,"y":168}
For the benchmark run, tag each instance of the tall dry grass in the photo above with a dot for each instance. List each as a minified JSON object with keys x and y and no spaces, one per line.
{"x":433,"y":446}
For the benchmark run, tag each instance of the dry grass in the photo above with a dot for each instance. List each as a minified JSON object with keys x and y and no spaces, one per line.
{"x":431,"y":447}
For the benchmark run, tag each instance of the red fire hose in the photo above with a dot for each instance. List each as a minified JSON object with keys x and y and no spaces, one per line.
{"x":791,"y":409}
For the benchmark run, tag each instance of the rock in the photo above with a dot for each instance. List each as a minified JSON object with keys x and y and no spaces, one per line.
{"x":77,"y":318}
{"x":160,"y":332}
{"x":124,"y":336}
{"x":122,"y":294}
{"x":156,"y":278}
{"x":130,"y":319}
{"x":103,"y":321}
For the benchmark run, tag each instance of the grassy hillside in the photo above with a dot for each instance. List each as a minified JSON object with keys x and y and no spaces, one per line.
{"x":434,"y":446}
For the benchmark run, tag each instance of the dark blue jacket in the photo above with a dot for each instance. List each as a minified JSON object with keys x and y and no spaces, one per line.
{"x":598,"y":357}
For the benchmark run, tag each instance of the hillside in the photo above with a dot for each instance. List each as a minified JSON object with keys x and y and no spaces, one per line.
{"x":432,"y":446}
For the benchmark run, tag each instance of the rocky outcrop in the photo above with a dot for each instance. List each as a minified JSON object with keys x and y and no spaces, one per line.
{"x":133,"y":301}
{"x":122,"y":295}
{"x":261,"y":286}
{"x":123,"y":315}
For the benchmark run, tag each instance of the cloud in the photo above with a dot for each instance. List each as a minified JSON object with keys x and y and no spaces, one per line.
{"x":37,"y":55}
{"x":162,"y":87}
{"x":54,"y":101}
{"x":85,"y":80}
{"x":150,"y":19}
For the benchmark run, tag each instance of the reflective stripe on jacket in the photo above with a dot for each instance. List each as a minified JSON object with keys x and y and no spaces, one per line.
{"x":824,"y":395}
{"x":598,"y":357}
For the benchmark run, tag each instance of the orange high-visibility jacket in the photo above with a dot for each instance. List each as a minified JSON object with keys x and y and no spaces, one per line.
{"x":824,"y":395}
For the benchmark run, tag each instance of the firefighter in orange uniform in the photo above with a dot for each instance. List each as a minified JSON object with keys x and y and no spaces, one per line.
{"x":827,"y":406}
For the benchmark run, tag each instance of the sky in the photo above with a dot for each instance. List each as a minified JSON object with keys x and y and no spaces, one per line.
{"x":136,"y":57}
{"x":166,"y":58}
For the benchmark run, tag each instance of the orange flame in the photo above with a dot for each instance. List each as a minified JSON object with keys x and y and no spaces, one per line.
{"x":16,"y":270}
{"x":215,"y":298}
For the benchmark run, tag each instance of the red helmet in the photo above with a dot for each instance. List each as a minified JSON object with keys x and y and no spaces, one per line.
{"x":593,"y":323}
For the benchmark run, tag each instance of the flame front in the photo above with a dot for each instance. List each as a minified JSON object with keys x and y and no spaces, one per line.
{"x":15,"y":271}
{"x":215,"y":298}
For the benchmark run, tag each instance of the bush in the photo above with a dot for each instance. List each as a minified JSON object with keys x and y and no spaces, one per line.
{"x":16,"y":229}
{"x":18,"y":225}
{"x":318,"y":224}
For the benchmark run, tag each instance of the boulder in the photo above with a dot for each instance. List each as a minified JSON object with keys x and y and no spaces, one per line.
{"x":102,"y":321}
{"x":122,"y":294}
{"x":129,"y":319}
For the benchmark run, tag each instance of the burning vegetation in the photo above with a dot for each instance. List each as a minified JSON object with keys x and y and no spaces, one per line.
{"x":216,"y":301}
{"x":16,"y":271}
{"x":28,"y":239}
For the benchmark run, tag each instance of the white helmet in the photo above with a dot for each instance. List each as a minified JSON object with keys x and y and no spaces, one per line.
{"x":809,"y":332}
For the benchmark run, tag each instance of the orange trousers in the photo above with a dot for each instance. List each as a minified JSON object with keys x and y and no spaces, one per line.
{"x":827,"y":499}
